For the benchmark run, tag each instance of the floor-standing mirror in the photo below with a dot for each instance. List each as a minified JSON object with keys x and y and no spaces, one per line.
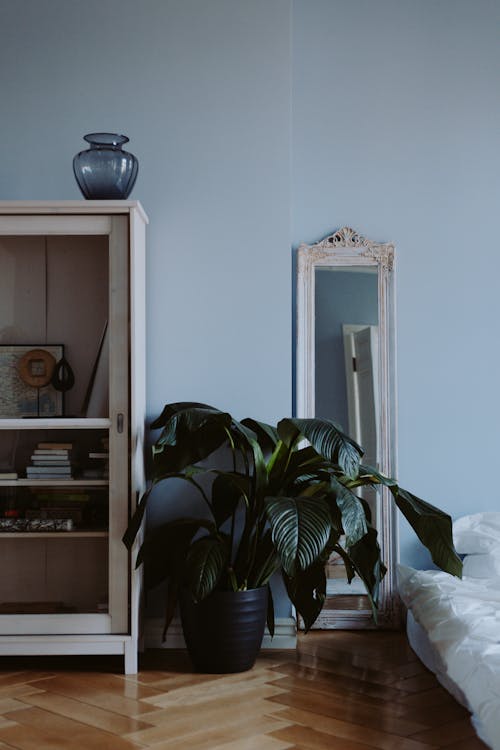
{"x":346,"y":372}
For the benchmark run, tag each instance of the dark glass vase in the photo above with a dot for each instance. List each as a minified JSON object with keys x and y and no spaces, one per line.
{"x":105,"y":171}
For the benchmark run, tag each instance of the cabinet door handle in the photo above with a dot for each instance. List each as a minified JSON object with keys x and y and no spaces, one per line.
{"x":119,"y":422}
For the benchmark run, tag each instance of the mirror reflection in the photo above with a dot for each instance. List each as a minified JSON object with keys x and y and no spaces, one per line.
{"x":346,"y":353}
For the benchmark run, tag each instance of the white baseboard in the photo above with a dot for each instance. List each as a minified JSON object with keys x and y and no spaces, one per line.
{"x":285,"y":634}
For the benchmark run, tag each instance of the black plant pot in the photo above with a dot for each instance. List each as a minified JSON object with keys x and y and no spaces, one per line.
{"x":224,"y":632}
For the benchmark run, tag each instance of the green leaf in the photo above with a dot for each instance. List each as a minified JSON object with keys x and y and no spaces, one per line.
{"x":267,"y":436}
{"x":190,"y":433}
{"x":266,"y":562}
{"x":327,"y":439}
{"x":300,"y":528}
{"x":136,"y":520}
{"x":433,"y":527}
{"x":205,"y":563}
{"x":172,"y":595}
{"x":372,"y":476}
{"x":277,"y":466}
{"x":365,"y":559}
{"x":353,"y":515}
{"x":227,"y":491}
{"x":350,"y":572}
{"x":307,"y":591}
{"x":165,"y":548}
{"x":292,"y":470}
{"x":270,"y":612}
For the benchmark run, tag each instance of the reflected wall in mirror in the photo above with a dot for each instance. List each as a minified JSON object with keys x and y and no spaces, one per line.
{"x":345,"y":372}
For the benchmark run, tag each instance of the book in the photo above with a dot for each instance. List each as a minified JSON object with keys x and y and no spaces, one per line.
{"x":48,"y":470}
{"x":50,"y":461}
{"x":55,"y":446}
{"x":97,"y":454}
{"x":8,"y":475}
{"x":51,"y":451}
{"x":65,"y":477}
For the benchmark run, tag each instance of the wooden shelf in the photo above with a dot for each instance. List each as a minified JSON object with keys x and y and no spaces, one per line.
{"x":57,"y":423}
{"x":54,"y":483}
{"x":54,"y":534}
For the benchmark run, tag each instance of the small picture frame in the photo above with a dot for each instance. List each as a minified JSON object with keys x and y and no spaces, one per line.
{"x":26,"y":374}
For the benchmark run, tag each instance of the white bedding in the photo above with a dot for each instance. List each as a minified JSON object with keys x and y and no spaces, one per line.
{"x":460,"y":620}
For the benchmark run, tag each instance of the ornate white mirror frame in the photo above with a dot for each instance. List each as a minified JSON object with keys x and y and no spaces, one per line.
{"x":346,"y":248}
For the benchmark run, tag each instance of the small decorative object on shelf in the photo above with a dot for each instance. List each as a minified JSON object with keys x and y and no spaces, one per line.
{"x":26,"y":373}
{"x":105,"y":171}
{"x":39,"y":524}
{"x":63,"y":377}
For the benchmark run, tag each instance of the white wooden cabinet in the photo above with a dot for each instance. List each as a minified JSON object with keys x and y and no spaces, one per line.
{"x":72,"y":283}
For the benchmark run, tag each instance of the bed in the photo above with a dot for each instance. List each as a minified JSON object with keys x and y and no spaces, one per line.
{"x":453,"y":624}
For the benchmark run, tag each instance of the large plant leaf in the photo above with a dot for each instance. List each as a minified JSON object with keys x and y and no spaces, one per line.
{"x":171,"y":598}
{"x":270,"y":612}
{"x":190,"y":433}
{"x":266,"y":562}
{"x":306,"y":462}
{"x":292,"y":471}
{"x":136,"y":520}
{"x":433,"y":527}
{"x":365,"y":559}
{"x":300,"y":527}
{"x":352,"y":512}
{"x":258,"y":473}
{"x":307,"y":591}
{"x":267,"y":435}
{"x":370,"y":475}
{"x":350,"y":572}
{"x":327,"y":439}
{"x":227,"y":490}
{"x":165,"y":548}
{"x":205,"y":563}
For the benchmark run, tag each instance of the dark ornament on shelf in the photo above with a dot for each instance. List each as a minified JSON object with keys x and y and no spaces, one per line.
{"x":63,"y":377}
{"x":105,"y":170}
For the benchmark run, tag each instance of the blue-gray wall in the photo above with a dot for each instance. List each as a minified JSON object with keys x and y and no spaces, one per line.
{"x":396,"y":132}
{"x":383,"y":116}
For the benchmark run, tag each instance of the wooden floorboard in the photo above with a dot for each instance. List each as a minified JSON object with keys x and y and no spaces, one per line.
{"x":339,"y":691}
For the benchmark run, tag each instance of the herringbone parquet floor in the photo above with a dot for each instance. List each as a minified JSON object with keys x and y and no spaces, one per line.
{"x":339,"y":691}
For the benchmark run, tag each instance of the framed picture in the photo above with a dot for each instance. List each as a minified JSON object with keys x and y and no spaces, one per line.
{"x":26,"y":376}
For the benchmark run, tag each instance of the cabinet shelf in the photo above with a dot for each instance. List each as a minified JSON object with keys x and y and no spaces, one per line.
{"x":54,"y":482}
{"x":54,"y":534}
{"x":58,"y":423}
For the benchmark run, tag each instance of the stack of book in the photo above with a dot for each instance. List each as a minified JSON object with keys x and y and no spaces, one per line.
{"x":51,"y":461}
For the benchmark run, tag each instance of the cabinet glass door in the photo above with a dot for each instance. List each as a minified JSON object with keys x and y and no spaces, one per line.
{"x":64,"y":404}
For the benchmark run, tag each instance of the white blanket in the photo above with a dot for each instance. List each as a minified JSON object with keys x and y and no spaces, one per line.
{"x":462,"y":620}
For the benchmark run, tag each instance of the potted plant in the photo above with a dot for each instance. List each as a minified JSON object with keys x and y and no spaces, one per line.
{"x":286,"y":502}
